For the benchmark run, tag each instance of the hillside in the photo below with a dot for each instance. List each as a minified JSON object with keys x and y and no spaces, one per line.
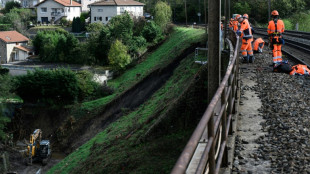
{"x":130,"y":128}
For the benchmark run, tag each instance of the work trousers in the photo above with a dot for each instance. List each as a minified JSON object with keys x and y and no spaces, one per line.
{"x":246,"y":47}
{"x":277,"y":54}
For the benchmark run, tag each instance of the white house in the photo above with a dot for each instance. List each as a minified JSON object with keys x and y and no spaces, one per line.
{"x":13,"y":47}
{"x":54,"y":10}
{"x":85,"y":4}
{"x":103,"y":11}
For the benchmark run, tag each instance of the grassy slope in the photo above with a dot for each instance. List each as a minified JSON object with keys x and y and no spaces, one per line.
{"x":178,"y":41}
{"x":135,"y":122}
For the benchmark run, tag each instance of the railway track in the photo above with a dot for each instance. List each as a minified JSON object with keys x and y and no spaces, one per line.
{"x":296,"y":47}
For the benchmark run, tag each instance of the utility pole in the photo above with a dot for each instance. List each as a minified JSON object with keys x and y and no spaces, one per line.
{"x":185,"y":13}
{"x":199,"y":12}
{"x":269,"y":10}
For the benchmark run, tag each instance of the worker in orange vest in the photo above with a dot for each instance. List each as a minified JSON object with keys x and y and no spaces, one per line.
{"x":300,"y":70}
{"x":258,"y":45}
{"x":235,"y":24}
{"x":275,"y":30}
{"x":247,"y":38}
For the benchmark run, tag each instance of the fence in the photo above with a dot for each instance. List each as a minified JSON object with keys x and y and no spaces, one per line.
{"x":199,"y":155}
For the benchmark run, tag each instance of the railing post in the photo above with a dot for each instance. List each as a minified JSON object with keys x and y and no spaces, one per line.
{"x":224,"y":122}
{"x":212,"y":149}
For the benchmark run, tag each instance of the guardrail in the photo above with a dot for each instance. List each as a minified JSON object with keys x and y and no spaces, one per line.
{"x":215,"y":123}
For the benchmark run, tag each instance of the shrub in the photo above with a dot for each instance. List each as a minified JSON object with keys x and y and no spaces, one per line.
{"x":86,"y":85}
{"x":136,"y":44}
{"x":64,"y":21}
{"x":288,"y":25}
{"x":121,"y":27}
{"x":162,"y":14}
{"x":118,"y":56}
{"x":53,"y":87}
{"x":151,"y":32}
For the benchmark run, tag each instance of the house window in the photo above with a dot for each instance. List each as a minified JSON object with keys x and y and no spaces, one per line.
{"x":100,"y":10}
{"x":122,"y":10}
{"x":43,"y":10}
{"x":95,"y":18}
{"x":100,"y":18}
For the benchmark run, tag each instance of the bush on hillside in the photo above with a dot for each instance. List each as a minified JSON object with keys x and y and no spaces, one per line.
{"x":53,"y":87}
{"x":136,"y":45}
{"x":118,"y":56}
{"x":121,"y":27}
{"x":152,"y":32}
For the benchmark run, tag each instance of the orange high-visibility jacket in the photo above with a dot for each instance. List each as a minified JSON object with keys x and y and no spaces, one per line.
{"x":235,"y":25}
{"x":257,"y":42}
{"x":231,"y":23}
{"x":246,"y":29}
{"x":300,"y":70}
{"x":272,"y":29}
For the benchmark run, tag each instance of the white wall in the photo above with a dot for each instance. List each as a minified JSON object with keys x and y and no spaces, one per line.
{"x":85,"y":4}
{"x":70,"y":12}
{"x":9,"y":49}
{"x":136,"y":11}
{"x":105,"y":12}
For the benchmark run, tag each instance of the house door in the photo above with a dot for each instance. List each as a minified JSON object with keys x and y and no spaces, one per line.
{"x":44,"y":20}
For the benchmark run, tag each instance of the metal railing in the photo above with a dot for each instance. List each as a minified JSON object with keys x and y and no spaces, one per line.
{"x":215,"y":124}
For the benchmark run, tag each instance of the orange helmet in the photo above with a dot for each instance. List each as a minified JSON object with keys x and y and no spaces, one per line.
{"x":275,"y":13}
{"x":246,"y":16}
{"x":238,"y":16}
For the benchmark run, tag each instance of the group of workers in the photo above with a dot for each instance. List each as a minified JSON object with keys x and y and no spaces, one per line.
{"x":242,"y":27}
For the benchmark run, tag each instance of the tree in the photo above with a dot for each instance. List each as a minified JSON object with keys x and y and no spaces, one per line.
{"x":11,"y":5}
{"x":118,"y":56}
{"x":121,"y":27}
{"x":162,"y":14}
{"x":151,"y":32}
{"x":5,"y":87}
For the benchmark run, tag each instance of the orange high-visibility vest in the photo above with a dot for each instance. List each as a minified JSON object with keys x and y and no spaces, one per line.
{"x":257,"y":42}
{"x":246,"y":29}
{"x":300,"y":70}
{"x":235,"y":25}
{"x":273,"y":29}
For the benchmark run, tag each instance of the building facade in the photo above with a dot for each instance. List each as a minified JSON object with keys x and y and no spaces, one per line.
{"x":103,"y":11}
{"x":13,"y":47}
{"x":53,"y":10}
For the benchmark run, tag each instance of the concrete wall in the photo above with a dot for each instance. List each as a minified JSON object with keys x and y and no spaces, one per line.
{"x":9,"y":49}
{"x":21,"y":55}
{"x":70,"y":12}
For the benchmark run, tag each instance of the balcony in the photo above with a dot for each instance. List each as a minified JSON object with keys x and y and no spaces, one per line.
{"x":58,"y":14}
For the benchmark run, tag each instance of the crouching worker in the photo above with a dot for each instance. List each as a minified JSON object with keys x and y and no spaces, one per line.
{"x":300,"y":70}
{"x":258,"y":45}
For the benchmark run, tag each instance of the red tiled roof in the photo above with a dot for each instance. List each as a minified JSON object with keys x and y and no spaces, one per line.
{"x":116,"y":2}
{"x":65,"y":3}
{"x":12,"y":36}
{"x":22,"y":48}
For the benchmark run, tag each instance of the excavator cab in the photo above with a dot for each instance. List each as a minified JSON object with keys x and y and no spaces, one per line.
{"x":38,"y":150}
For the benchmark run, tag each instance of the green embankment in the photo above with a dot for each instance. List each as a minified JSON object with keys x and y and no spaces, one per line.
{"x":179,"y":40}
{"x":130,"y":144}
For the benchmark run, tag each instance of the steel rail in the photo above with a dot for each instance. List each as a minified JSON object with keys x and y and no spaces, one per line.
{"x":226,"y":90}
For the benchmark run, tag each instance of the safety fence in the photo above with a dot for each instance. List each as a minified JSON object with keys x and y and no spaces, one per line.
{"x":206,"y":151}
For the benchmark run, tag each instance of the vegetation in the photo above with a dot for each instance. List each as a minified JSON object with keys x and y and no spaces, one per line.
{"x":118,"y":56}
{"x":5,"y":87}
{"x":180,"y":39}
{"x":122,"y":145}
{"x":162,"y":14}
{"x":10,"y":5}
{"x":16,"y":19}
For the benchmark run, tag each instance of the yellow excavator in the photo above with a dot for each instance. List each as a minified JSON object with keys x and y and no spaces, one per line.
{"x":38,"y":150}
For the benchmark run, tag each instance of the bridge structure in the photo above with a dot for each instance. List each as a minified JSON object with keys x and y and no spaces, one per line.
{"x":257,"y":120}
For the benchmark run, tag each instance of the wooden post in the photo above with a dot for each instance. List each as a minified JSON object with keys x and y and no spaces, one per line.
{"x":214,"y":55}
{"x":212,"y":149}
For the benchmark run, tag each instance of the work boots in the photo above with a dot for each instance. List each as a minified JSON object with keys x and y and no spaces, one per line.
{"x":245,"y":59}
{"x":251,"y":59}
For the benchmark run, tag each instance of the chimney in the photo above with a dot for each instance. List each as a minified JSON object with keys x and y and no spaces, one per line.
{"x":70,"y":2}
